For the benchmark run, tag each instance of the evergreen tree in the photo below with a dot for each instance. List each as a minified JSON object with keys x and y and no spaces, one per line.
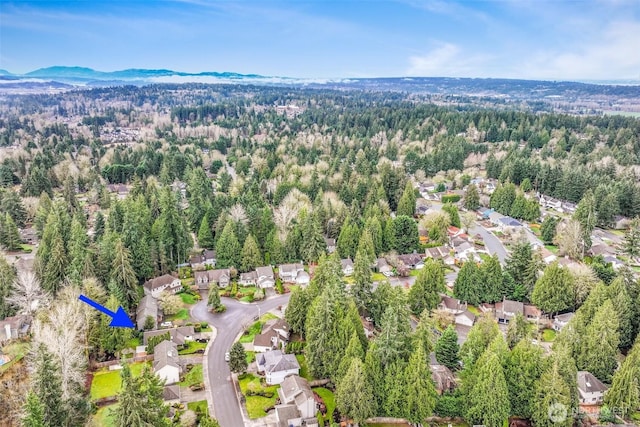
{"x":354,"y":396}
{"x":367,"y":247}
{"x":425,"y":292}
{"x":447,"y":348}
{"x":601,"y":341}
{"x":47,"y":387}
{"x":631,"y":245}
{"x":481,"y":334}
{"x":522,"y":266}
{"x":551,"y":400}
{"x":491,"y":279}
{"x":421,"y":392}
{"x":251,"y":257}
{"x":274,"y":248}
{"x":140,"y":400}
{"x":98,"y":227}
{"x":467,"y":286}
{"x":373,"y":226}
{"x":471,"y":198}
{"x":205,"y":234}
{"x":423,"y":335}
{"x":112,"y":340}
{"x":625,"y":311}
{"x":123,"y":276}
{"x":489,"y":401}
{"x":362,"y":288}
{"x":518,"y":329}
{"x":7,"y":278}
{"x":228,"y":249}
{"x":586,"y":215}
{"x":348,"y":239}
{"x":9,"y":235}
{"x":522,"y":370}
{"x":548,"y":228}
{"x":354,"y":351}
{"x":237,"y":358}
{"x":624,"y":393}
{"x":314,"y":244}
{"x":213,"y":302}
{"x":395,"y":389}
{"x":395,"y":330}
{"x":407,"y":203}
{"x":405,"y":237}
{"x":452,"y":211}
{"x":554,"y":291}
{"x":375,"y":375}
{"x":33,"y":412}
{"x":296,"y":312}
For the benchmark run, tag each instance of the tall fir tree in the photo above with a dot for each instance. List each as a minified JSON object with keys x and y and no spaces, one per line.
{"x":33,"y":412}
{"x":251,"y":256}
{"x":205,"y":234}
{"x":447,"y":348}
{"x":489,"y":401}
{"x":47,"y":386}
{"x":425,"y":292}
{"x":228,"y":248}
{"x":407,"y":203}
{"x":362,"y":289}
{"x":601,"y":341}
{"x":421,"y":391}
{"x":554,"y":291}
{"x":140,"y":399}
{"x":624,"y":393}
{"x":551,"y":400}
{"x":123,"y":276}
{"x":354,"y":396}
{"x":471,"y":198}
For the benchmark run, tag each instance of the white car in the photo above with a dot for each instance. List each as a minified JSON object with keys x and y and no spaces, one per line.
{"x":227,"y":357}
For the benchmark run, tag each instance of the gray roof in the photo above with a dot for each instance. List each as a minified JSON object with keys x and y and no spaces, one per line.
{"x":165,"y":354}
{"x":588,"y":383}
{"x":276,"y":361}
{"x":346,"y":263}
{"x":159,"y":282}
{"x":285,"y":413}
{"x":564,"y":317}
{"x":265,"y":272}
{"x":171,"y":392}
{"x":292,"y":386}
{"x":214,"y":275}
{"x":290,"y":268}
{"x":250,"y":276}
{"x":148,"y":307}
{"x":411,"y":259}
{"x":177,"y":335}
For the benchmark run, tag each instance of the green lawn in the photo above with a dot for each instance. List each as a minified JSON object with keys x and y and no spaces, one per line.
{"x":105,"y":417}
{"x":414,"y":273}
{"x":133,"y":343}
{"x":27,"y":248}
{"x":328,"y":399}
{"x":17,"y":351}
{"x":552,"y":248}
{"x":548,"y":335}
{"x":194,"y":376}
{"x":250,"y":333}
{"x":304,"y":368}
{"x":256,"y":405}
{"x":188,"y":298}
{"x":377,"y":277}
{"x":250,"y":355}
{"x":107,"y":383}
{"x":192,"y":347}
{"x":183,"y":314}
{"x":268,"y":316}
{"x":474,"y":310}
{"x":200,"y":405}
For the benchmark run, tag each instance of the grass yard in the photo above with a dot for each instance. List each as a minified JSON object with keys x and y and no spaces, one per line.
{"x":548,"y":335}
{"x":250,"y":356}
{"x":268,"y":316}
{"x":17,"y":351}
{"x":256,"y":405}
{"x":199,"y":406}
{"x":183,"y":314}
{"x":107,"y":383}
{"x":192,"y":347}
{"x":250,"y":333}
{"x":194,"y":376}
{"x":474,"y":310}
{"x":133,"y":343}
{"x":105,"y":416}
{"x":414,"y":273}
{"x":293,"y":287}
{"x":328,"y":399}
{"x":304,"y":368}
{"x":188,"y":298}
{"x":377,"y":277}
{"x":552,"y":248}
{"x":27,"y":248}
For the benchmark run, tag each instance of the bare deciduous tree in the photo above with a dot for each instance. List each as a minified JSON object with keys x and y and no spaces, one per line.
{"x":237,"y":214}
{"x":584,"y":279}
{"x":27,"y":293}
{"x":569,"y":238}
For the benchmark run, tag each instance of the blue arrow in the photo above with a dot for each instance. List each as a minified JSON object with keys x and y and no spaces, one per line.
{"x":120,"y":317}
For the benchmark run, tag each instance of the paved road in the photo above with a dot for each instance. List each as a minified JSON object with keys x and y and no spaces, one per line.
{"x":491,"y":242}
{"x":229,"y":324}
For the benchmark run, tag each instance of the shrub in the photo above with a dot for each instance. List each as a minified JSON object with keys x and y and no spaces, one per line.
{"x":279,"y":287}
{"x":204,"y":325}
{"x":295,"y":347}
{"x":450,"y":198}
{"x":220,"y":309}
{"x":449,"y":406}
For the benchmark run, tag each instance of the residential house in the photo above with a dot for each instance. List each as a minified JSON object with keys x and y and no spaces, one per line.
{"x":590,"y":389}
{"x":438,"y":252}
{"x":289,"y":272}
{"x":171,"y":394}
{"x":615,"y":262}
{"x":148,"y":307}
{"x":561,"y":320}
{"x":452,"y":305}
{"x":413,"y":261}
{"x":569,"y":207}
{"x":179,"y":335}
{"x":507,"y":310}
{"x":465,"y":318}
{"x":383,"y":267}
{"x":427,"y":187}
{"x":266,"y":278}
{"x":165,"y":362}
{"x":532,"y":313}
{"x":621,"y":222}
{"x":453,"y":231}
{"x":302,"y":278}
{"x":201,"y":261}
{"x":507,"y":223}
{"x":495,"y":218}
{"x":483,"y":213}
{"x":465,"y":251}
{"x":331,"y":245}
{"x":28,"y":235}
{"x":14,"y":327}
{"x":248,"y":279}
{"x":442,"y":377}
{"x":164,"y":283}
{"x":274,"y":334}
{"x":601,"y":249}
{"x":121,"y":189}
{"x":276,"y":366}
{"x":297,"y":403}
{"x":422,"y":210}
{"x":347,"y":266}
{"x":220,"y":277}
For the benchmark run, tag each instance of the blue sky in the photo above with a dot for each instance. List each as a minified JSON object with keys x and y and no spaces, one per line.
{"x":541,"y":39}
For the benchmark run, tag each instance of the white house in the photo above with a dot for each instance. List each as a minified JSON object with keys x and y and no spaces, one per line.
{"x":266,"y":278}
{"x":302,"y":278}
{"x":347,"y":266}
{"x":561,"y":320}
{"x":164,"y":283}
{"x":220,"y":277}
{"x":465,"y":318}
{"x":289,"y":272}
{"x":165,"y":362}
{"x":297,"y":402}
{"x":590,"y":389}
{"x":248,"y":279}
{"x":276,"y":366}
{"x":274,"y":334}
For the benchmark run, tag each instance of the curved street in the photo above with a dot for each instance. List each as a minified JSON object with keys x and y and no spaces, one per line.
{"x":229,"y":325}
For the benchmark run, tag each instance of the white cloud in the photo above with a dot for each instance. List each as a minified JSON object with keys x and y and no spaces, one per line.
{"x":448,"y":60}
{"x":614,"y":56}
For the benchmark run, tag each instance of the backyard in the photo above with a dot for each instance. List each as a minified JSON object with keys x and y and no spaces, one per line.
{"x":256,"y":405}
{"x":193,"y":377}
{"x":256,"y":328}
{"x":107,"y":383}
{"x":105,"y":416}
{"x":328,"y":399}
{"x":304,"y":368}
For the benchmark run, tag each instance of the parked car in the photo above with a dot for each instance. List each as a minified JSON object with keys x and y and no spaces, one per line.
{"x":227,"y":357}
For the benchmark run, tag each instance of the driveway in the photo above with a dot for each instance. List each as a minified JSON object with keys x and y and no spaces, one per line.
{"x":491,"y":242}
{"x":229,"y":325}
